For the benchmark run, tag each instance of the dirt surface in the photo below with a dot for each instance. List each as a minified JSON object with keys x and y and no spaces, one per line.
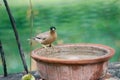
{"x":18,"y":76}
{"x":114,"y":70}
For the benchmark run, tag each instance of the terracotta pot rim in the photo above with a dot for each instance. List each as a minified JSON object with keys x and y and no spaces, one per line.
{"x":84,"y":61}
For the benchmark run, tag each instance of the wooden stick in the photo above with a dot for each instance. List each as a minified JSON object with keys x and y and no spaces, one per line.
{"x":3,"y":60}
{"x":16,"y":35}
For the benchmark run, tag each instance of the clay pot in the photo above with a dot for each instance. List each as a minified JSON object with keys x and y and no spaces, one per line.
{"x":73,"y":61}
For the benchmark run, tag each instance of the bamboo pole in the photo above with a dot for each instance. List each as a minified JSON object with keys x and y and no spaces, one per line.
{"x":3,"y":60}
{"x":16,"y":35}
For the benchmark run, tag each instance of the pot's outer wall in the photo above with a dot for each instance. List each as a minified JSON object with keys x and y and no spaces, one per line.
{"x":72,"y":72}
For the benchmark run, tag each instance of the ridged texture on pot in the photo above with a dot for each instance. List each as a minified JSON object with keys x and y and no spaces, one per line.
{"x":72,"y":72}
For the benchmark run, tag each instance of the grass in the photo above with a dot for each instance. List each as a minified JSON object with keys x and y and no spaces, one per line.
{"x":93,"y":21}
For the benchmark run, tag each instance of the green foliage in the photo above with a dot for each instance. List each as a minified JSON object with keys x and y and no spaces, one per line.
{"x":93,"y":21}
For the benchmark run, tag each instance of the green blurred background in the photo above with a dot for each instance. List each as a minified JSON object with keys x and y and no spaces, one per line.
{"x":77,"y":21}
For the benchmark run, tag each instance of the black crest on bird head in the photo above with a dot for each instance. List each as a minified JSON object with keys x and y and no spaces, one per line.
{"x":52,"y":28}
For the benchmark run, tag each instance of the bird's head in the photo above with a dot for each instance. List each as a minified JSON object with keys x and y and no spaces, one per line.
{"x":52,"y":28}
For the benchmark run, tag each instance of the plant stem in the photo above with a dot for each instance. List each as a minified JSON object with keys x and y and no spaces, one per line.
{"x":31,"y":26}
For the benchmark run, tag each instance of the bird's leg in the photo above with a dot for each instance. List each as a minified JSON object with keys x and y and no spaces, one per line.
{"x":50,"y":45}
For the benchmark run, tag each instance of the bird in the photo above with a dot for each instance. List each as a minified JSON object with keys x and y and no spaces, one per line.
{"x":47,"y":38}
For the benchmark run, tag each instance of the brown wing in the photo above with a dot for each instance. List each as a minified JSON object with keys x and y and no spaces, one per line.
{"x":42,"y":37}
